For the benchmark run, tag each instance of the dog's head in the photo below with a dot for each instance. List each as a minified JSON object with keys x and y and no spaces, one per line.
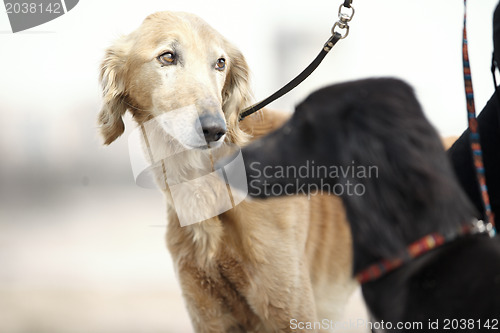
{"x":371,"y":135}
{"x":175,"y":62}
{"x":368,"y":122}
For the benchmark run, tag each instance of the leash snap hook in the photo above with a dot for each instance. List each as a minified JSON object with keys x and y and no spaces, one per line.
{"x":341,"y":27}
{"x":346,"y":16}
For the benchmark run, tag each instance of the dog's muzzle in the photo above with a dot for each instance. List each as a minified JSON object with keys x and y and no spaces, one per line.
{"x":213,"y":128}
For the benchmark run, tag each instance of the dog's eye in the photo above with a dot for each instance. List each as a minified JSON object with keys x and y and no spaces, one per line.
{"x":167,"y":58}
{"x":220,"y":64}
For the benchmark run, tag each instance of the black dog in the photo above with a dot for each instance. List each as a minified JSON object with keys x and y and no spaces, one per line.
{"x":370,"y":143}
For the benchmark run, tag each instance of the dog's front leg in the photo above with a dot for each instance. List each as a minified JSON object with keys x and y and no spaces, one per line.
{"x":211,"y":307}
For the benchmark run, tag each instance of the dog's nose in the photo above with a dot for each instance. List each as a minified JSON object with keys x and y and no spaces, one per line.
{"x":213,"y":128}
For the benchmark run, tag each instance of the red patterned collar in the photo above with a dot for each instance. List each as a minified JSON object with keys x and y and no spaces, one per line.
{"x":418,"y":248}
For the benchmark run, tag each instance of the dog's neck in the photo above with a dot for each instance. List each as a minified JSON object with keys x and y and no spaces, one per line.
{"x":193,"y":188}
{"x":393,"y":213}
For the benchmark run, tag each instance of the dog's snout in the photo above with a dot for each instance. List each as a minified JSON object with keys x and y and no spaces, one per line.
{"x":213,"y":128}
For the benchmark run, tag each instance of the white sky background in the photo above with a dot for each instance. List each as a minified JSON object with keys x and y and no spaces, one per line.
{"x":49,"y":93}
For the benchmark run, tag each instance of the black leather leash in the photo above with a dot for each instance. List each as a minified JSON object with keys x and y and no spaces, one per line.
{"x":338,"y":27}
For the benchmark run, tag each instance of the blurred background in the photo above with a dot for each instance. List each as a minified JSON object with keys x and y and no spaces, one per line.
{"x":81,"y":246}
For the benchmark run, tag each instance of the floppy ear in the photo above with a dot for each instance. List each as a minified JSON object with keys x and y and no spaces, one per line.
{"x":112,"y":77}
{"x":236,"y":94}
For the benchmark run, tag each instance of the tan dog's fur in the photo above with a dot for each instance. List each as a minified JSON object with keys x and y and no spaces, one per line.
{"x":258,"y":266}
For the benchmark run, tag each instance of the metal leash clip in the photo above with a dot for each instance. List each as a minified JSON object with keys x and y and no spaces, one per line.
{"x":342,"y":24}
{"x":479,"y":227}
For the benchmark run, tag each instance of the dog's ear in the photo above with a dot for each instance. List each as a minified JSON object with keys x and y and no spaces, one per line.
{"x":113,"y":83}
{"x":236,"y":94}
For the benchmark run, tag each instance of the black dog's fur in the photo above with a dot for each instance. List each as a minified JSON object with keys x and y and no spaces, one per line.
{"x":379,"y":122}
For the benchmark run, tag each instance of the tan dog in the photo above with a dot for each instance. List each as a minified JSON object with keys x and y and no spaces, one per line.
{"x":260,"y":266}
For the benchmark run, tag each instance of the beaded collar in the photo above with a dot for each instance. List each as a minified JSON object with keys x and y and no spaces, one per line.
{"x":418,"y":248}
